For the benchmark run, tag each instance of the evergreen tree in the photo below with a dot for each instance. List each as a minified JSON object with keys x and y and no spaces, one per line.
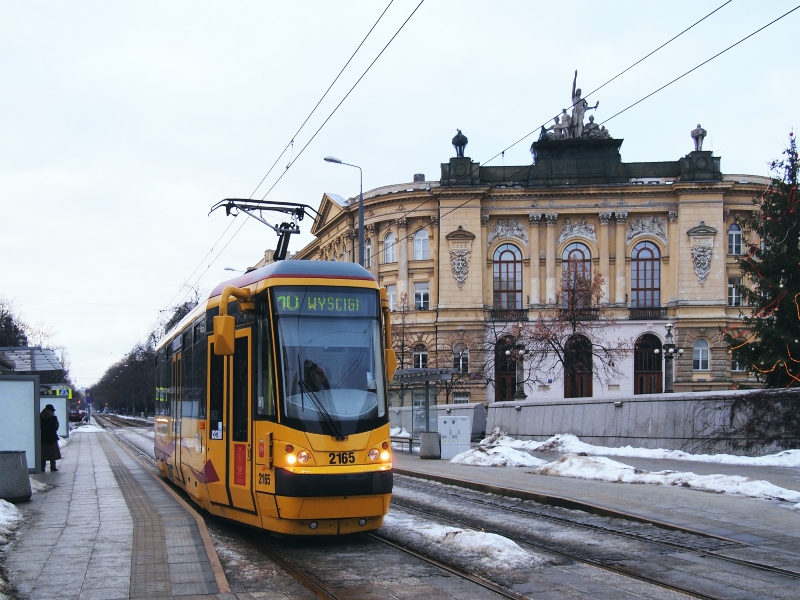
{"x":770,"y":346}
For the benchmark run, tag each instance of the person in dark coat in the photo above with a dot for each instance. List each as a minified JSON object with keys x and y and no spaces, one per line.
{"x":49,"y":430}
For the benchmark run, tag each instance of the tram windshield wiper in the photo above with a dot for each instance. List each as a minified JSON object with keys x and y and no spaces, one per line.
{"x":331,"y":422}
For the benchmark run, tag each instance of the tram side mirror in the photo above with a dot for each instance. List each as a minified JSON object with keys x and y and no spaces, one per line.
{"x":391,"y":363}
{"x":223,"y":335}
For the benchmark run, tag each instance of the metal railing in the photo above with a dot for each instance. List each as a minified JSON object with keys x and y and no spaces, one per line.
{"x":639,"y":314}
{"x":502,"y":314}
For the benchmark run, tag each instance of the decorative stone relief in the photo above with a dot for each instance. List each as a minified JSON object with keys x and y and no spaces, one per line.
{"x":535,"y":218}
{"x":621,"y":217}
{"x":460,"y":249}
{"x":508,"y":228}
{"x":702,"y":238}
{"x":604,"y":217}
{"x":551,"y":218}
{"x":370,"y":229}
{"x":484,"y":220}
{"x":577,"y":230}
{"x":402,"y":223}
{"x":655,"y":226}
{"x":672,"y":216}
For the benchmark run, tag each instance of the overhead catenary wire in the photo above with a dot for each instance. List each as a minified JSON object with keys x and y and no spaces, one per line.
{"x":526,"y":167}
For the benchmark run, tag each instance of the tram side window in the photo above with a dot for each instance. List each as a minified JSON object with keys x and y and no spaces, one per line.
{"x":199,"y":368}
{"x":239,"y":405}
{"x":265,"y":400}
{"x":215,"y":395}
{"x":163,"y":374}
{"x":189,"y":398}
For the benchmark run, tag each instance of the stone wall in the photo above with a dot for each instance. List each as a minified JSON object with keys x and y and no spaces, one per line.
{"x":694,"y":422}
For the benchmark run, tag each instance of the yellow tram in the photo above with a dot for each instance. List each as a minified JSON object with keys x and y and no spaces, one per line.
{"x":272,"y":403}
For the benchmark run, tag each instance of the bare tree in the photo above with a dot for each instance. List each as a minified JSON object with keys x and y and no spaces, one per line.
{"x":401,"y":341}
{"x":456,"y":350}
{"x":573,"y":339}
{"x":12,"y":327}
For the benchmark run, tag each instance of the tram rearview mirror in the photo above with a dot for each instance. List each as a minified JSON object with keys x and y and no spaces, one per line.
{"x":391,"y":363}
{"x":224,"y":328}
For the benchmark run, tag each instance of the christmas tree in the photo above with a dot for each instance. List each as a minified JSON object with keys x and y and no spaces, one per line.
{"x":769,"y":344}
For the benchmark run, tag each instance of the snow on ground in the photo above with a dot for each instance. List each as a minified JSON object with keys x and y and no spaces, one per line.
{"x":605,"y":469}
{"x":568,"y":443}
{"x":496,"y":456}
{"x":10,"y":519}
{"x":399,"y":432}
{"x":87,"y":428}
{"x":492,"y":551}
{"x":37,"y":487}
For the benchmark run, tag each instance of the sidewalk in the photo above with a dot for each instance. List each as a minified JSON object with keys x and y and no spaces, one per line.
{"x":770,"y":524}
{"x":109,"y":530}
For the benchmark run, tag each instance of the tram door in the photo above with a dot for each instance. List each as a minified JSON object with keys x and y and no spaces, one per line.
{"x":240,"y":457}
{"x":175,"y":411}
{"x":217,"y":436}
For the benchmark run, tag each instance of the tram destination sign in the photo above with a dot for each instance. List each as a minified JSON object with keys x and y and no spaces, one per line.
{"x":318,"y":301}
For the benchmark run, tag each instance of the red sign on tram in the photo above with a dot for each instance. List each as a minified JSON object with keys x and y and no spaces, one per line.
{"x":239,"y":464}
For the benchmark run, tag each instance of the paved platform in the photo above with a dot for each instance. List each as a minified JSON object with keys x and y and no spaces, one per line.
{"x":110,"y":530}
{"x":769,"y":524}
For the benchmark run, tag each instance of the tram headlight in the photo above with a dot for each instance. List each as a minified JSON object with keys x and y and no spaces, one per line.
{"x":291,"y":459}
{"x":302,"y":457}
{"x":374,"y":454}
{"x":385,"y":455}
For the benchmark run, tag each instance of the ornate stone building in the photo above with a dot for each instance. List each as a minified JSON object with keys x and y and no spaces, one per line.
{"x":485,"y":247}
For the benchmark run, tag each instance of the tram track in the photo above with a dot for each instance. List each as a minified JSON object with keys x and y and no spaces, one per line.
{"x":701,"y":544}
{"x":699,"y":550}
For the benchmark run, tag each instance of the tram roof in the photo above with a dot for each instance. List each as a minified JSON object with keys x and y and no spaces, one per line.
{"x":298,"y":268}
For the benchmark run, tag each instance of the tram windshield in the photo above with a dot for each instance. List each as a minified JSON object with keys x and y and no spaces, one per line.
{"x":331,"y":359}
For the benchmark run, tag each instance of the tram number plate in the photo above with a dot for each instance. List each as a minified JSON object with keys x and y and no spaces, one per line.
{"x":341,"y":458}
{"x":263,"y":479}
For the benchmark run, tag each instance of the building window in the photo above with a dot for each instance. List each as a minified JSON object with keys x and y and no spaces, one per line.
{"x":461,"y":358}
{"x":645,"y":276}
{"x":734,"y":240}
{"x":422,"y":296}
{"x":507,"y":278}
{"x":391,"y":296}
{"x":700,"y":355}
{"x":421,"y":245}
{"x":460,"y":397}
{"x":737,"y":365}
{"x":368,"y":254}
{"x":389,"y":248}
{"x":420,"y":357}
{"x":576,"y":276}
{"x":734,"y":295}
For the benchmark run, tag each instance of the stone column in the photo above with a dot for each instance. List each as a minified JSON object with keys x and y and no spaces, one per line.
{"x":550,"y":259}
{"x":605,"y":252}
{"x":622,"y":280}
{"x":402,"y":262}
{"x":672,"y":248}
{"x":535,"y":219}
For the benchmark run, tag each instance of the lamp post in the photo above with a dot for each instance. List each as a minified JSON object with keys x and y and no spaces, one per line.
{"x":669,"y":355}
{"x":337,"y":161}
{"x":519,"y":358}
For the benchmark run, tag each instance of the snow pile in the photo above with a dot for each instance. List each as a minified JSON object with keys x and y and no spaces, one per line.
{"x":87,"y":429}
{"x":10,"y":519}
{"x":568,"y":443}
{"x":37,"y":487}
{"x":399,"y":432}
{"x":492,"y":551}
{"x":496,"y":456}
{"x":605,"y":469}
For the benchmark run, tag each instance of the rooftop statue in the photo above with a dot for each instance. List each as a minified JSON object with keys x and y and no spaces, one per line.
{"x":579,"y":108}
{"x":566,"y":126}
{"x":698,"y":135}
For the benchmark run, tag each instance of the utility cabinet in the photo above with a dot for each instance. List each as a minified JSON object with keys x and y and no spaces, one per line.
{"x":454,"y":434}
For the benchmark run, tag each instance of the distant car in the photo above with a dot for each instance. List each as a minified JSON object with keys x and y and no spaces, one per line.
{"x":75,"y":415}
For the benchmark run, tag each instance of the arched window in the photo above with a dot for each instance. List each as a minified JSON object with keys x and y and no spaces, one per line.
{"x":389,"y":248}
{"x":461,"y":358}
{"x":734,"y":240}
{"x":507,"y":278}
{"x":421,"y":245}
{"x":368,"y":254}
{"x":420,"y":357}
{"x":576,"y":276}
{"x":645,"y":276}
{"x":647,"y":365}
{"x":700,"y":355}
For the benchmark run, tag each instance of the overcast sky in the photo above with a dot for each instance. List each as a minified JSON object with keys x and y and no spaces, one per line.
{"x":123,"y":123}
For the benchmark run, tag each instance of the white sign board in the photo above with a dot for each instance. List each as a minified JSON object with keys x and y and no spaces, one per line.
{"x":19,"y":400}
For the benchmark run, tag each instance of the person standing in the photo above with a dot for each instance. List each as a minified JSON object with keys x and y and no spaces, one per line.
{"x":49,"y":432}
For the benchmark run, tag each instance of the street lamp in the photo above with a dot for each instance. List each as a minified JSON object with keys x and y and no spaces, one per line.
{"x":337,"y":161}
{"x":519,"y":358}
{"x":669,"y":354}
